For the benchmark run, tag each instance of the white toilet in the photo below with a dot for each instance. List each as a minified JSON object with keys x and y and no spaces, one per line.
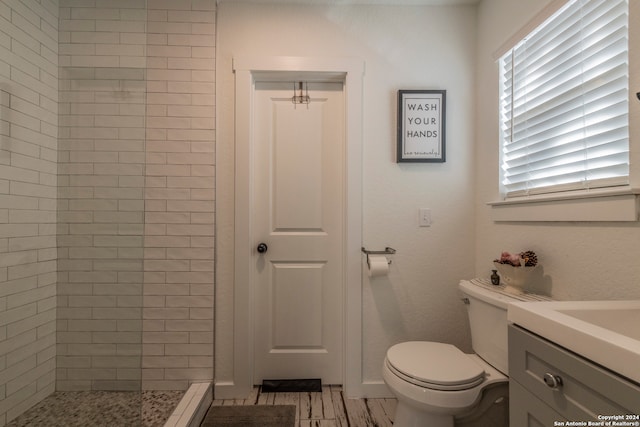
{"x":437,"y":383}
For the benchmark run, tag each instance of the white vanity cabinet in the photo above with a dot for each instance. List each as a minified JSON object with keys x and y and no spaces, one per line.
{"x":551,"y":386}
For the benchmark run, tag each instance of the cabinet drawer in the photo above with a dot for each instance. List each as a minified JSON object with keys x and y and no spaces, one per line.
{"x":529,"y":411}
{"x":586,"y":390}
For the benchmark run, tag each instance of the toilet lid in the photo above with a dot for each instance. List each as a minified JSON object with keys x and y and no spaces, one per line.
{"x":434,"y":365}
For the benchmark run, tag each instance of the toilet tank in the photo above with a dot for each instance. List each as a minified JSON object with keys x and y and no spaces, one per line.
{"x":487,"y":308}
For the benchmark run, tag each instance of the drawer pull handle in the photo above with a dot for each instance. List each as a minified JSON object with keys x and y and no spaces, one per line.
{"x":553,"y":381}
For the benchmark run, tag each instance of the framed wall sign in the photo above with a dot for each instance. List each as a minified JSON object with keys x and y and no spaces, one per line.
{"x":421,"y":125}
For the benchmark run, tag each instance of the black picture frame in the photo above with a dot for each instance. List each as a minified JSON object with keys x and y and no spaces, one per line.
{"x":421,"y":126}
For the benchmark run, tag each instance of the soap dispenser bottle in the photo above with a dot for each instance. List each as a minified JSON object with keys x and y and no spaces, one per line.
{"x":495,"y":279}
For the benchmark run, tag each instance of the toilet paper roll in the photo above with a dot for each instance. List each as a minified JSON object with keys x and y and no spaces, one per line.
{"x":378,"y":265}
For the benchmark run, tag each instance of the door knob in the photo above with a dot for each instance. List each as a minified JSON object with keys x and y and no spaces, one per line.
{"x":262,"y":248}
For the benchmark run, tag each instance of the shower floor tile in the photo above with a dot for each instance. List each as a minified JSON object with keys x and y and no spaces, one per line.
{"x":101,"y":408}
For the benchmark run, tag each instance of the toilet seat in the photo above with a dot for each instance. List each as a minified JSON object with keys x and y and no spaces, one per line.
{"x":434,"y":365}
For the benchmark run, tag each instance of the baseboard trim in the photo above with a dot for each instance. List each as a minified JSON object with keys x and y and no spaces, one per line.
{"x":376,"y":390}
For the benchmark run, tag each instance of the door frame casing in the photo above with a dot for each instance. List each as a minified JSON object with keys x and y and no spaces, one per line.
{"x":247,"y":71}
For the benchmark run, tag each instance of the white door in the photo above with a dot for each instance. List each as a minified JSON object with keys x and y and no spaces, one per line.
{"x":298,"y":212}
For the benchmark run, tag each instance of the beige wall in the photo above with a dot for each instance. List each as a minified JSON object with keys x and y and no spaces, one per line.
{"x":581,"y":260}
{"x":402,"y":48}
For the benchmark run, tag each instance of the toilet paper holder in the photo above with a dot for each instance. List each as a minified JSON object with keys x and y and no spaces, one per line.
{"x":387,"y":251}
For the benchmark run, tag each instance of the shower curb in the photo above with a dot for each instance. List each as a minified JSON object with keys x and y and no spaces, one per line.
{"x":192,"y":407}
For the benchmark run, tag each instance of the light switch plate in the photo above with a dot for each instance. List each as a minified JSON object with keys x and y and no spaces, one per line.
{"x":424,"y":217}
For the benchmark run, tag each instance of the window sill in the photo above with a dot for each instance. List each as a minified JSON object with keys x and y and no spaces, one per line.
{"x":620,"y":204}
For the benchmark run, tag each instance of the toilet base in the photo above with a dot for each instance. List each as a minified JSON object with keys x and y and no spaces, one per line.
{"x":407,"y":416}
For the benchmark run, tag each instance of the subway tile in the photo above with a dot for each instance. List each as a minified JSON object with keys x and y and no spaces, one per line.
{"x":190,"y":182}
{"x":169,"y":51}
{"x":166,"y":265}
{"x":117,"y":313}
{"x":90,"y":252}
{"x":196,"y":40}
{"x":169,"y":75}
{"x":203,"y":170}
{"x":18,"y":313}
{"x":203,"y":52}
{"x":119,"y":49}
{"x":188,"y":301}
{"x":158,"y":63}
{"x":190,"y":253}
{"x":25,"y":243}
{"x":168,"y":4}
{"x":95,"y":61}
{"x":200,"y":361}
{"x":154,"y":253}
{"x":118,"y":241}
{"x":149,"y":374}
{"x":155,"y":205}
{"x":118,"y":169}
{"x":153,"y":159}
{"x":133,"y":38}
{"x":152,"y":362}
{"x":153,"y":301}
{"x":190,"y":111}
{"x":156,"y":39}
{"x":190,"y":16}
{"x":91,"y":374}
{"x":76,"y":24}
{"x":159,"y":27}
{"x":75,"y":361}
{"x":190,"y":229}
{"x":118,"y":217}
{"x":169,"y":98}
{"x":99,"y":337}
{"x":11,"y":230}
{"x":94,"y":37}
{"x":163,"y":289}
{"x":155,"y":181}
{"x":192,"y":135}
{"x":170,"y":147}
{"x":155,"y":230}
{"x":157,"y":15}
{"x":167,"y":217}
{"x":165,"y":337}
{"x":188,"y":373}
{"x":204,"y":337}
{"x":31,"y":323}
{"x":18,"y":257}
{"x":165,"y":313}
{"x":30,"y":377}
{"x":100,"y":189}
{"x":190,"y":206}
{"x":189,"y":325}
{"x":188,"y":349}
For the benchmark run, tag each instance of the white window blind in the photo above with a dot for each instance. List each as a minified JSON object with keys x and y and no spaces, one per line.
{"x":564,"y":102}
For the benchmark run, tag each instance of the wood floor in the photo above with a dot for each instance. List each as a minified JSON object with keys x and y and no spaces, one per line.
{"x":330,"y":408}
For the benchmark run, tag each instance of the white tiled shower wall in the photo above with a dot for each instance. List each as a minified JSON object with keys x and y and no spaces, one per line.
{"x":135,"y":196}
{"x":179,"y":194}
{"x":101,"y":194}
{"x":28,"y":145}
{"x":137,"y":115}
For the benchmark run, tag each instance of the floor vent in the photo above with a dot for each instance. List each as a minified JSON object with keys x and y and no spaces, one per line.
{"x":284,"y":386}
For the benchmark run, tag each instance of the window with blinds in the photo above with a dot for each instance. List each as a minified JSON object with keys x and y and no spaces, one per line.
{"x":564,"y":102}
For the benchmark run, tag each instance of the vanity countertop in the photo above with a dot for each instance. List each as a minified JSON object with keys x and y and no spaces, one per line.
{"x":606,"y":332}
